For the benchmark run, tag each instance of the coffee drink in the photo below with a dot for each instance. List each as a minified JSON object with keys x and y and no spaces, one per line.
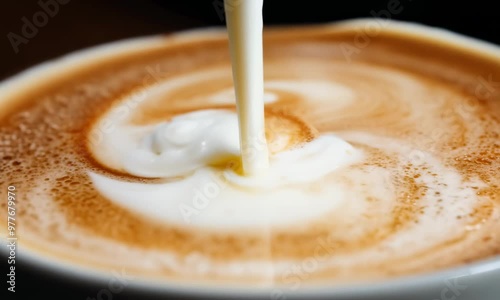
{"x":384,"y":157}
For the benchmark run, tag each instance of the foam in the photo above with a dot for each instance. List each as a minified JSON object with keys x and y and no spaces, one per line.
{"x":205,"y":200}
{"x":429,"y":142}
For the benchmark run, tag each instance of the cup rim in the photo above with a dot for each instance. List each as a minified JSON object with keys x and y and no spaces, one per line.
{"x":103,"y":51}
{"x":405,"y":283}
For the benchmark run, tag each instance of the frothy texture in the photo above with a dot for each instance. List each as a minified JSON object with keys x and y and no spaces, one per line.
{"x":382,"y":163}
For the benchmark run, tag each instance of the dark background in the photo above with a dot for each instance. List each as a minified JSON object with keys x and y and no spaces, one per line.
{"x":79,"y":24}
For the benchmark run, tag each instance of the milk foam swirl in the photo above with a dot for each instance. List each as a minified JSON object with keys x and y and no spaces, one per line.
{"x":191,"y":146}
{"x":380,"y":167}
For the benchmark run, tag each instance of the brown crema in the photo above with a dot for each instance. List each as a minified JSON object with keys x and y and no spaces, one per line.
{"x":438,"y":97}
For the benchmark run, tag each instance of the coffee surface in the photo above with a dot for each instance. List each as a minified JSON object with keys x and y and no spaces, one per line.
{"x":386,"y":158}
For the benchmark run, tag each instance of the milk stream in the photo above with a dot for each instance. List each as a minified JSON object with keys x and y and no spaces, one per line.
{"x":244,"y":25}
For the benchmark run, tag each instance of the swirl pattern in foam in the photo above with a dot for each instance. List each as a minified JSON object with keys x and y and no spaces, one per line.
{"x":381,"y":165}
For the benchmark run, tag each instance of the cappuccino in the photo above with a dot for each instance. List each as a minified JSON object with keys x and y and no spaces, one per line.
{"x":381,"y":164}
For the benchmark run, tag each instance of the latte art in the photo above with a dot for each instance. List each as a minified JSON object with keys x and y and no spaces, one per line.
{"x":380,"y":166}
